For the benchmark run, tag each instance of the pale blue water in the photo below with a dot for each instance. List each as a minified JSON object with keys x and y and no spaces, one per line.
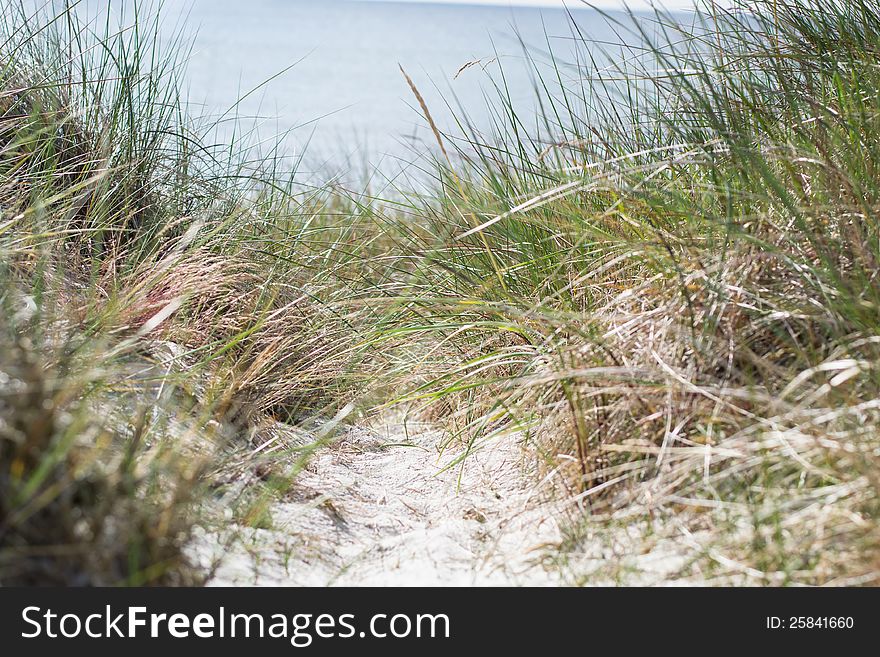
{"x":345,"y":101}
{"x":346,"y":96}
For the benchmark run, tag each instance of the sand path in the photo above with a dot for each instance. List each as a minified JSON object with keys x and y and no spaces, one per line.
{"x":378,"y":507}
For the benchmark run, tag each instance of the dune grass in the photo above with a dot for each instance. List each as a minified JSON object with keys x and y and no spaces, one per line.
{"x":166,"y":302}
{"x":670,"y":285}
{"x":666,"y":287}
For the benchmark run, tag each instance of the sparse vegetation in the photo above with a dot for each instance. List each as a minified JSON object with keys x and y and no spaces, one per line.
{"x":668,"y":287}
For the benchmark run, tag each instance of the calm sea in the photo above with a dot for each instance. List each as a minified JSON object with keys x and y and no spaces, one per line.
{"x":344,"y":100}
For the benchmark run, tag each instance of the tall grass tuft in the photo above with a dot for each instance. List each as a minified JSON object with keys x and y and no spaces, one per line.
{"x":169,"y":305}
{"x":668,"y":284}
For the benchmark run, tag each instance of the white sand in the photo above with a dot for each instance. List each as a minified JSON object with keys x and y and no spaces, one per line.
{"x":368,"y":511}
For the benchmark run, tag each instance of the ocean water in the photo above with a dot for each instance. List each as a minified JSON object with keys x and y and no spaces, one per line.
{"x":344,"y":102}
{"x":345,"y":98}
